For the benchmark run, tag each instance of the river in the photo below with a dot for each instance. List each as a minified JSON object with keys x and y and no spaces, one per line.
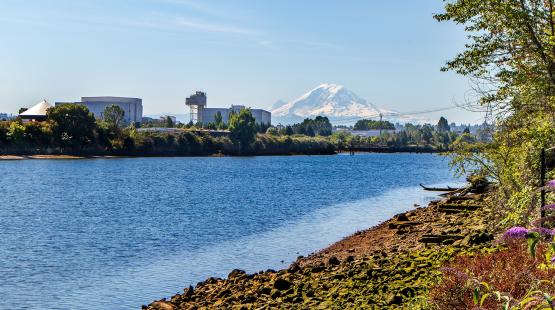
{"x":119,"y":233}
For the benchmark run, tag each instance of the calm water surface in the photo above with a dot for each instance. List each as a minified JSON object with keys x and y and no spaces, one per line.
{"x":119,"y":233}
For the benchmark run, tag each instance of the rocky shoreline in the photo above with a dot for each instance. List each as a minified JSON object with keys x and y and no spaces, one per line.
{"x":391,"y":265}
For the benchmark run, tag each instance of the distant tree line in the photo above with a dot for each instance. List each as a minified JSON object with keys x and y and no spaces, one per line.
{"x":73,"y":129}
{"x":319,"y":126}
{"x":368,"y":124}
{"x":438,"y":137}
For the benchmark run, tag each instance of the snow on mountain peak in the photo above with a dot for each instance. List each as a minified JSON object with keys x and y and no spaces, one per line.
{"x":330,"y":100}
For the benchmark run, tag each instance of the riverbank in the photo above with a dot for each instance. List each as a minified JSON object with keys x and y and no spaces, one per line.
{"x":166,"y":154}
{"x":395,"y":149}
{"x":22,"y":157}
{"x":392,"y":265}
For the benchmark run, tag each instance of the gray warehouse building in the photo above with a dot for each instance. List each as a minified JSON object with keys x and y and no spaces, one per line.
{"x":133,"y":107}
{"x":201,"y":114}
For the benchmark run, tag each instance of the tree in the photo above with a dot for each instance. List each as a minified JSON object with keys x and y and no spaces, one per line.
{"x":289,"y":130}
{"x":218,"y":120}
{"x":311,"y":127}
{"x":427,"y":133}
{"x":272,"y":131}
{"x":242,"y":126}
{"x":511,"y":48}
{"x":16,"y":133}
{"x":511,"y":56}
{"x":443,"y":125}
{"x":114,"y":116}
{"x":368,"y":124}
{"x":72,"y":125}
{"x":168,"y":123}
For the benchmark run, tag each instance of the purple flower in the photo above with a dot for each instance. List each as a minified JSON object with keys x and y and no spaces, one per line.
{"x":550,"y":183}
{"x":553,"y":260}
{"x":549,"y":207}
{"x":515,"y":233}
{"x":544,"y":231}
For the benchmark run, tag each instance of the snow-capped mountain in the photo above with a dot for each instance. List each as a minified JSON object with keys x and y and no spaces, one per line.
{"x":328,"y":100}
{"x":331,"y":100}
{"x":336,"y":102}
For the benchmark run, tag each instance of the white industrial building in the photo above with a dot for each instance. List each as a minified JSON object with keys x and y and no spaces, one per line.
{"x":36,"y":112}
{"x":133,"y":107}
{"x":201,"y":114}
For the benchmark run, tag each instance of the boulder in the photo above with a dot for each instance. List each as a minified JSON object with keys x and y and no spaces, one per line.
{"x":294,"y":267}
{"x":332,"y":261}
{"x":235,"y":273}
{"x":161,"y":305}
{"x":282,"y":284}
{"x":188,"y":292}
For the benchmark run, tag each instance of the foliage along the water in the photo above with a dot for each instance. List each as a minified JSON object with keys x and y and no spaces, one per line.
{"x":511,"y":57}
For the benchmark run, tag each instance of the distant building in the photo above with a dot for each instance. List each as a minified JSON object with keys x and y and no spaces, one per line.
{"x":5,"y":116}
{"x":201,"y":114}
{"x":36,"y":112}
{"x":196,"y":103}
{"x":133,"y":107}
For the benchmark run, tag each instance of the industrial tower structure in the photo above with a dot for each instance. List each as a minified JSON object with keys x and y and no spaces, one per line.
{"x":197,"y":103}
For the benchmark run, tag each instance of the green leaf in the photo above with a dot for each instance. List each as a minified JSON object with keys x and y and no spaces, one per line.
{"x":486,"y":295}
{"x":533,"y":239}
{"x":486,"y":285}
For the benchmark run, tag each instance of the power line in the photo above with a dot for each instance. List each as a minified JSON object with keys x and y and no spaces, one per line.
{"x":430,"y":111}
{"x":346,"y":120}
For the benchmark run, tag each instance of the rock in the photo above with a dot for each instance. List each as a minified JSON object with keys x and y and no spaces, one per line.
{"x":235,"y":273}
{"x":188,"y":292}
{"x":318,"y":268}
{"x":402,"y":217}
{"x":264,"y":290}
{"x":294,"y":267}
{"x":161,"y":305}
{"x":408,"y":291}
{"x":282,"y":284}
{"x":350,"y":258}
{"x":395,"y":300}
{"x":275,"y":294}
{"x":224,"y":293}
{"x":481,"y":237}
{"x":332,"y":261}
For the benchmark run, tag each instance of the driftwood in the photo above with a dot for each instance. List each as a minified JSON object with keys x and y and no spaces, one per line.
{"x":440,"y":189}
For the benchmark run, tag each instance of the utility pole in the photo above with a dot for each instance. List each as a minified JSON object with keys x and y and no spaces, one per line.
{"x":381,"y":116}
{"x":542,"y":182}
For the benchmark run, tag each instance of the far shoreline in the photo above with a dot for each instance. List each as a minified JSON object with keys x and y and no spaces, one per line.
{"x":72,"y":156}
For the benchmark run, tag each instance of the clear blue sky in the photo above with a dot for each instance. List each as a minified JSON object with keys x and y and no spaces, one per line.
{"x":241,"y":52}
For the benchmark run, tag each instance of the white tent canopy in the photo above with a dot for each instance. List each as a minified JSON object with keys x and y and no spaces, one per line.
{"x":37,"y":110}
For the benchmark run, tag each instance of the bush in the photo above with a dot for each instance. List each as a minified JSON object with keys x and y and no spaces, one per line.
{"x":490,"y":281}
